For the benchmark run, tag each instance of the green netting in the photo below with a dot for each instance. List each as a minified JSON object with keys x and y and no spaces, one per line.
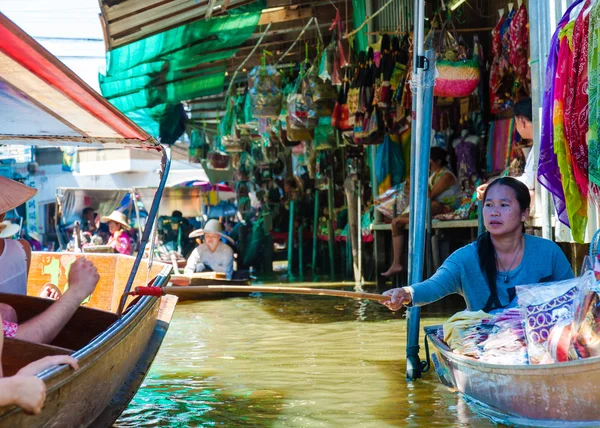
{"x":170,"y":92}
{"x":179,"y":43}
{"x":148,"y":79}
{"x":359,"y":14}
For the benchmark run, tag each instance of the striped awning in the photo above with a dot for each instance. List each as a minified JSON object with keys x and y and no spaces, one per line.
{"x":42,"y":102}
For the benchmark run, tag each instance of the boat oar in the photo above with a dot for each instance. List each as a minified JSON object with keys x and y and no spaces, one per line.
{"x":158,"y":291}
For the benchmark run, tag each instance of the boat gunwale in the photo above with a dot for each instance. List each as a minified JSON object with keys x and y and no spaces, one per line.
{"x":143,"y":306}
{"x":575,"y":366}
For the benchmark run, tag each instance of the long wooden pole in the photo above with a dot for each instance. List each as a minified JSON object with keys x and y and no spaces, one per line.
{"x":279,"y":290}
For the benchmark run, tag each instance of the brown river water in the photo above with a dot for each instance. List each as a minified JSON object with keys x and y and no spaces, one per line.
{"x":292,"y":361}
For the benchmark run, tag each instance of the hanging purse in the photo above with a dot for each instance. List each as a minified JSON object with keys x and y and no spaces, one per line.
{"x":458,"y":75}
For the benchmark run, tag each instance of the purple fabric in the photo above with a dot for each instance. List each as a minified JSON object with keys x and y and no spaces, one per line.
{"x":548,"y":171}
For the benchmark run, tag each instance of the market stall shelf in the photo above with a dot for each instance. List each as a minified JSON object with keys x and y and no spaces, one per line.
{"x":545,"y":395}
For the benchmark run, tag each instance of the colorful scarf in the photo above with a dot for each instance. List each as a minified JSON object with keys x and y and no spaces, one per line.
{"x":594,"y":111}
{"x":576,"y":205}
{"x":576,"y":107}
{"x":548,"y":171}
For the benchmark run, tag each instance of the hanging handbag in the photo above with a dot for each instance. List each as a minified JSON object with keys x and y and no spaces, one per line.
{"x":458,"y":75}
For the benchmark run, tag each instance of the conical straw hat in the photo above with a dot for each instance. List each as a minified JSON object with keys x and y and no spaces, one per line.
{"x":117,"y":217}
{"x":212,"y":226}
{"x":13,"y":194}
{"x":8,"y":229}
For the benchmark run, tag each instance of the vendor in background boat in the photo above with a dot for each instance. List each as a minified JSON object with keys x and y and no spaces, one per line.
{"x":524,"y":123}
{"x":118,"y":226}
{"x":486,"y":272}
{"x":25,"y":389}
{"x":212,"y":255}
{"x":91,"y":223}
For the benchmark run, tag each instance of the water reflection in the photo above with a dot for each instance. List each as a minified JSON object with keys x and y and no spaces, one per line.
{"x":293,"y":361}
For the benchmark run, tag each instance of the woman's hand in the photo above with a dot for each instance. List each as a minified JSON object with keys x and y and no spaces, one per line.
{"x":398,"y":297}
{"x":42,"y":364}
{"x":29,"y":393}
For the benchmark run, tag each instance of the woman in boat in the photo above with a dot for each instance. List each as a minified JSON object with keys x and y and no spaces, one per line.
{"x":444,"y":192}
{"x":15,"y":254}
{"x":212,"y":255}
{"x":118,"y":227}
{"x":506,"y":257}
{"x":25,"y":389}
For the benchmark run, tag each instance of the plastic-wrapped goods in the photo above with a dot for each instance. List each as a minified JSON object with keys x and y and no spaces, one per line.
{"x":546,"y":307}
{"x":322,"y":93}
{"x":264,"y":84}
{"x":218,"y":160}
{"x":397,"y":195}
{"x":585,"y":330}
{"x":324,"y":134}
{"x":301,"y":120}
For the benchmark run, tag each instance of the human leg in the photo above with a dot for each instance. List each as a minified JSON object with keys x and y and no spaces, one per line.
{"x":398,"y":245}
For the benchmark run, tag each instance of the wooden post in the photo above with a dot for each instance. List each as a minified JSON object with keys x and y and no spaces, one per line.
{"x":331,"y":239}
{"x":300,"y":252}
{"x":315,"y":232}
{"x":291,"y":240}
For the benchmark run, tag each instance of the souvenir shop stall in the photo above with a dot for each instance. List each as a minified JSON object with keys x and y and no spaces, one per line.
{"x":482,"y":70}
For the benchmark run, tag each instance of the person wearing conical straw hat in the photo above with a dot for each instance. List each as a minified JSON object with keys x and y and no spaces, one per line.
{"x":213,"y":254}
{"x":118,"y":226}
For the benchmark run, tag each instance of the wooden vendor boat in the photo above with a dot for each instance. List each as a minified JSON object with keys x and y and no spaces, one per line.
{"x":114,"y":353}
{"x":114,"y":338}
{"x":548,"y":395}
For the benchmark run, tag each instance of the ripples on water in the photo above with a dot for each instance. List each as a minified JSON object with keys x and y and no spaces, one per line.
{"x":291,"y":361}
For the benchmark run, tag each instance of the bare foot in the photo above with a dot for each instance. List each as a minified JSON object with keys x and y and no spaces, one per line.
{"x":393,"y":270}
{"x":50,"y":291}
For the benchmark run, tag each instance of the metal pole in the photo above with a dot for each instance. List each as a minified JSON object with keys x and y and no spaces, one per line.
{"x":331,"y":233}
{"x":540,"y":36}
{"x":291,"y":240}
{"x":422,"y":112}
{"x":166,"y":166}
{"x":315,"y":232}
{"x":300,"y":252}
{"x":359,"y":229}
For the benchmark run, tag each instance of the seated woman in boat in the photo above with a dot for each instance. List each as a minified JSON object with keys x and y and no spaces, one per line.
{"x":24,"y":389}
{"x":486,"y":272}
{"x":15,"y":254}
{"x":43,"y":328}
{"x":212,"y":255}
{"x":444,"y":192}
{"x":118,"y":226}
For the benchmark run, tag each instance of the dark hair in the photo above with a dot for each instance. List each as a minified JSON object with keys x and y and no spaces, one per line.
{"x":485,"y":247}
{"x":523,"y":109}
{"x":437,"y":154}
{"x":176,"y":213}
{"x":87,"y":210}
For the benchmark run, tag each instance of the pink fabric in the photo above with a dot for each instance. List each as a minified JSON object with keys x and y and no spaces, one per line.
{"x":121,"y":242}
{"x":10,"y":328}
{"x":501,"y":143}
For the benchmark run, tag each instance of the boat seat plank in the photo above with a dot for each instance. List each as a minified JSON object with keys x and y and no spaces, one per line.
{"x":16,"y":354}
{"x":85,"y":324}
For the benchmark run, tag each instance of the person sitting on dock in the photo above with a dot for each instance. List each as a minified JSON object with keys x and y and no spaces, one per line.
{"x":24,"y":389}
{"x":487,"y":271}
{"x":444,"y":192}
{"x":213,"y":254}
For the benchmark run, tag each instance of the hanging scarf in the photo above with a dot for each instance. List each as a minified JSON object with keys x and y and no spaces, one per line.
{"x":548,"y":171}
{"x":576,"y":205}
{"x":594,"y":111}
{"x":518,"y":54}
{"x":576,"y":107}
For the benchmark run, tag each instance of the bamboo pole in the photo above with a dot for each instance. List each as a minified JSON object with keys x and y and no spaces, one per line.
{"x":277,"y":290}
